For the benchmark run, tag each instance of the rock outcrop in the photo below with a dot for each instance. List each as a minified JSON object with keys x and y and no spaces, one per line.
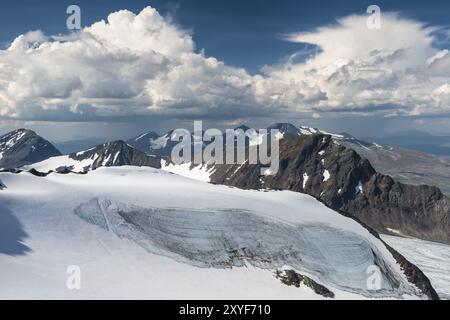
{"x":292,"y":278}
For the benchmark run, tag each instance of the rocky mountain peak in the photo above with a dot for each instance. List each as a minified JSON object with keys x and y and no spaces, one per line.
{"x":22,"y":147}
{"x":116,"y":153}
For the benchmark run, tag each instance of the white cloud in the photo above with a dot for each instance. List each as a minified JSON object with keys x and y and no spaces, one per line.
{"x":394,"y":70}
{"x":130,"y":65}
{"x":134,"y":65}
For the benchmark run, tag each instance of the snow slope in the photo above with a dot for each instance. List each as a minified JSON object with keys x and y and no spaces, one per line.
{"x":51,"y":164}
{"x":146,"y":233}
{"x":188,"y":170}
{"x":431,"y":257}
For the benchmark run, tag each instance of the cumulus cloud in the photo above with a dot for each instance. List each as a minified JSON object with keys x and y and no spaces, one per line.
{"x":394,"y":70}
{"x":142,"y":64}
{"x":128,"y":65}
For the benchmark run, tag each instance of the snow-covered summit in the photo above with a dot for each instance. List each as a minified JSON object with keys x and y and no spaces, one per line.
{"x":21,"y":147}
{"x":116,"y":153}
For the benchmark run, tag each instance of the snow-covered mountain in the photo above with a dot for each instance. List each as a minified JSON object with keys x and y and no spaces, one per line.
{"x":326,"y":169}
{"x":116,"y":153}
{"x":351,"y":186}
{"x":144,"y":233}
{"x":173,"y":223}
{"x":406,"y":166}
{"x":22,"y":147}
{"x":153,"y":144}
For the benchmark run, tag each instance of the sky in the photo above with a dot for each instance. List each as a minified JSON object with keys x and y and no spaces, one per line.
{"x":162,"y":64}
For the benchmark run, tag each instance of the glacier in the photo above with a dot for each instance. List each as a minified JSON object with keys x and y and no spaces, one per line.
{"x":431,"y":257}
{"x":148,"y":234}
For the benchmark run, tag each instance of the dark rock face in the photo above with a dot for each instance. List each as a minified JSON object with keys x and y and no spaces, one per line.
{"x":22,"y":147}
{"x":292,"y":278}
{"x":342,"y":180}
{"x":112,"y":154}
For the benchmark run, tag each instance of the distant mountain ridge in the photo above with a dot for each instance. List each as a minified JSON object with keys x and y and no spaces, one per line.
{"x":404,"y":165}
{"x":154,"y":144}
{"x":416,"y":140}
{"x":22,"y":147}
{"x":111,"y":154}
{"x":161,"y":145}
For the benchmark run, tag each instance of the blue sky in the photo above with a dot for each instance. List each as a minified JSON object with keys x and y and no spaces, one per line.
{"x":240,"y":34}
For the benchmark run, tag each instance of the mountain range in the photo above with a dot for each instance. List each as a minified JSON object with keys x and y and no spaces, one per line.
{"x":22,"y":147}
{"x":328,"y":168}
{"x":404,"y":165}
{"x":333,"y":168}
